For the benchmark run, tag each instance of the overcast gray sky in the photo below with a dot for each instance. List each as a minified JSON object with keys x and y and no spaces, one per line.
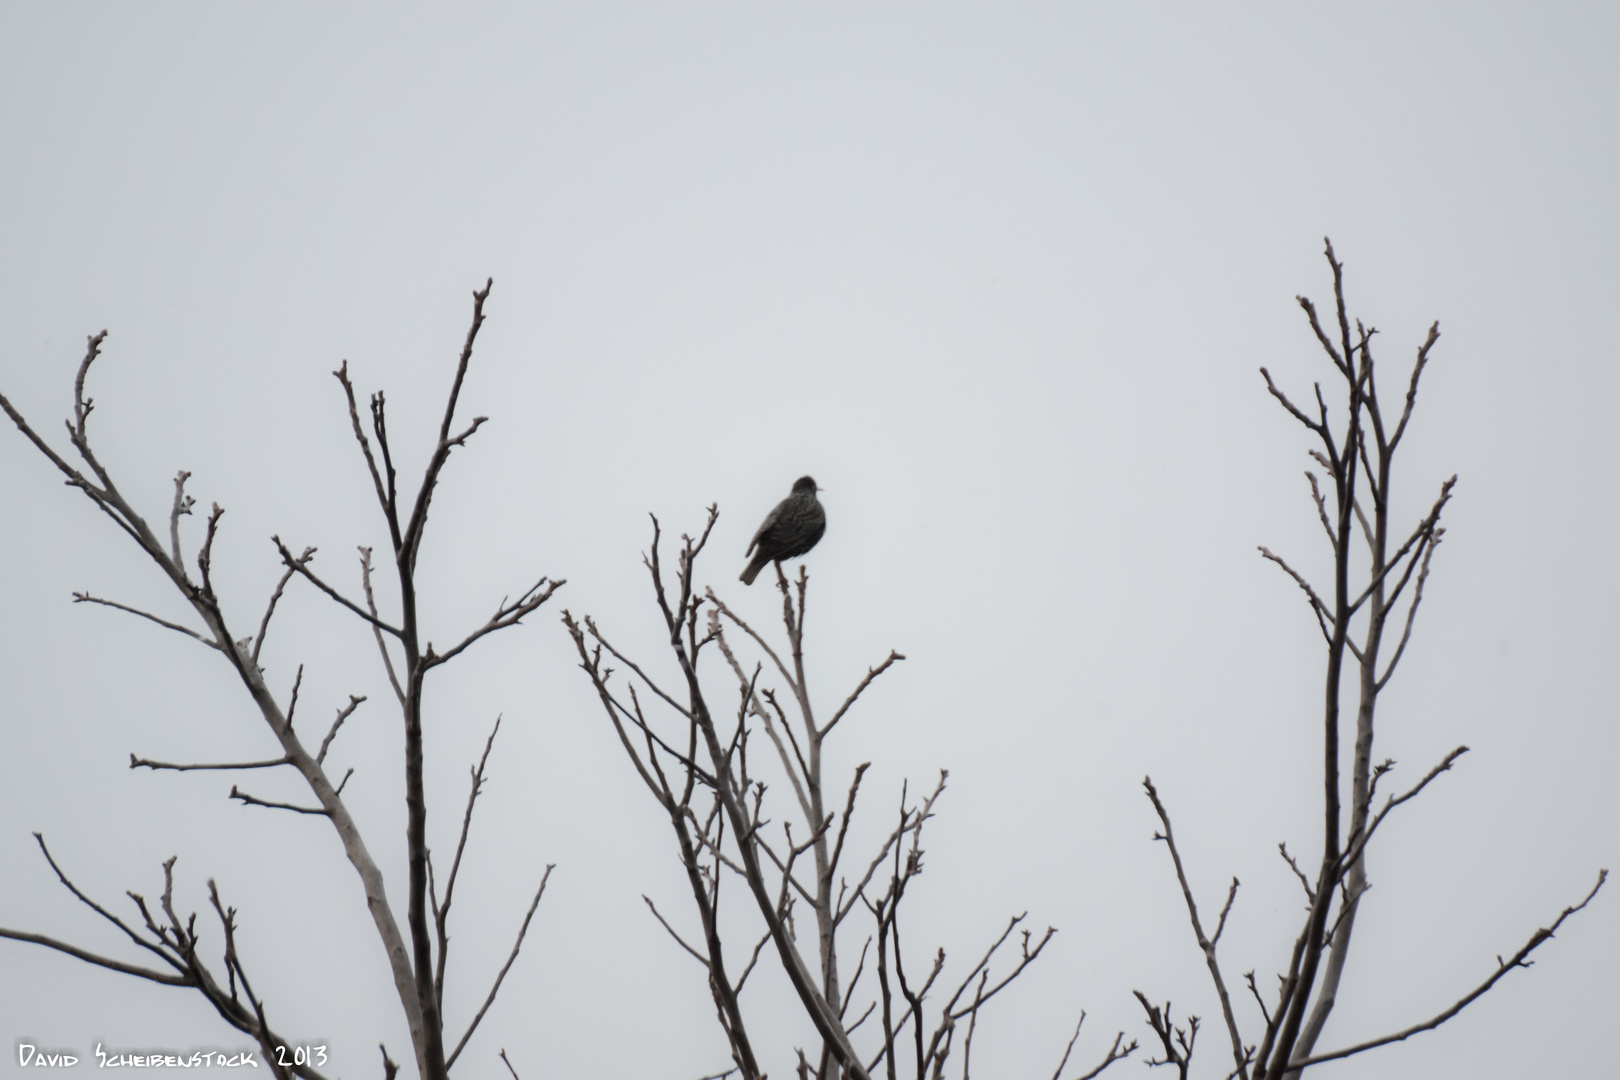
{"x":1000,"y":277}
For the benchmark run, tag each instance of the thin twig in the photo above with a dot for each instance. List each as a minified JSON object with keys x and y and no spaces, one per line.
{"x":1411,"y":611}
{"x":1318,"y":608}
{"x":269,"y":610}
{"x":250,"y":800}
{"x":506,"y":615}
{"x":342,"y":715}
{"x":871,"y":674}
{"x":376,"y":629}
{"x":699,"y":957}
{"x":1205,"y":945}
{"x":86,"y":598}
{"x":442,"y":912}
{"x":493,"y":990}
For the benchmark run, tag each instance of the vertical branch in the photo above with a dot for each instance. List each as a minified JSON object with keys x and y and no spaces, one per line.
{"x":1343,"y":461}
{"x":441,"y":914}
{"x":1354,"y":876}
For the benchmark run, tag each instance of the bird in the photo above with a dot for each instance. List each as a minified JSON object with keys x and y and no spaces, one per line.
{"x":788,"y":531}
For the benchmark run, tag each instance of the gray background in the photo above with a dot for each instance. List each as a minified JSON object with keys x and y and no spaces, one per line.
{"x":1000,"y":277}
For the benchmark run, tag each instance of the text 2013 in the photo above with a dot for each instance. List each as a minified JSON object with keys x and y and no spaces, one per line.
{"x":300,"y":1055}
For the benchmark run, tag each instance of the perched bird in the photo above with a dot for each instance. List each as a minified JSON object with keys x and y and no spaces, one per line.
{"x":788,"y":531}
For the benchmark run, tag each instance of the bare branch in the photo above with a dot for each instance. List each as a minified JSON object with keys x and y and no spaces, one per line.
{"x":97,"y":908}
{"x":590,"y":624}
{"x":1205,"y":945}
{"x":205,"y":557}
{"x":915,"y":822}
{"x":292,"y":702}
{"x":83,"y":406}
{"x":411,"y":541}
{"x":106,"y":498}
{"x":301,"y":565}
{"x":749,"y":630}
{"x":1517,"y":960}
{"x":871,"y":674}
{"x":849,"y":811}
{"x":270,"y":609}
{"x":699,"y":957}
{"x":1067,"y":1050}
{"x":1327,"y":344}
{"x":1114,"y":1054}
{"x":1304,"y":882}
{"x":1424,"y":530}
{"x":1177,"y":1043}
{"x":1321,"y":504}
{"x":493,"y":990}
{"x":1358,"y":844}
{"x":140,"y":763}
{"x":182,"y":505}
{"x":591,"y":665}
{"x":1029,"y":956}
{"x":376,"y":627}
{"x":250,"y":800}
{"x":442,"y":912}
{"x":92,"y":958}
{"x":794,"y":774}
{"x":505,"y":615}
{"x":383,"y":497}
{"x":1411,"y":610}
{"x":1411,"y":391}
{"x":1293,"y":410}
{"x":1220,"y":927}
{"x":86,"y":598}
{"x":342,"y":715}
{"x":1322,"y":612}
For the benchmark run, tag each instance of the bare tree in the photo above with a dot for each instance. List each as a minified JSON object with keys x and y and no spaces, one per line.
{"x":417,"y":953}
{"x":698,"y":768}
{"x":1353,"y":617}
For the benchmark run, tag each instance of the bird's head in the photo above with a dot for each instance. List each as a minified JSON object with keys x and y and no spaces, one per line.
{"x":805,"y":485}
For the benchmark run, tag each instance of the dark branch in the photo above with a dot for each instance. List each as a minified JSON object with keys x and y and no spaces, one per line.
{"x":249,"y":800}
{"x":300,"y":565}
{"x":342,"y":715}
{"x":441,"y":913}
{"x":1517,"y":960}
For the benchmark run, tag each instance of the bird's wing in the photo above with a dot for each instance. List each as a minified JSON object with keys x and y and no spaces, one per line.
{"x":766,"y":526}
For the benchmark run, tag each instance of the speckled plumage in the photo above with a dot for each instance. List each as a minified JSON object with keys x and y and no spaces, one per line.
{"x":788,"y":531}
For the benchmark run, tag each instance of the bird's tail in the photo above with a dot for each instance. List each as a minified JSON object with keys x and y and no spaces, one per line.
{"x":752,"y":571}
